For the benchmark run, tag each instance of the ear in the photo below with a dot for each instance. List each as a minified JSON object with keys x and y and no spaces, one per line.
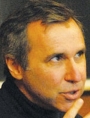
{"x":14,"y":68}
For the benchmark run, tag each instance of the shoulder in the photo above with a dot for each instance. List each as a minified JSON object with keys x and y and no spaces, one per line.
{"x":6,"y":108}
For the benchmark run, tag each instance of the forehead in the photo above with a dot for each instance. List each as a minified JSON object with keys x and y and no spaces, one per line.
{"x":35,"y":30}
{"x":54,"y":35}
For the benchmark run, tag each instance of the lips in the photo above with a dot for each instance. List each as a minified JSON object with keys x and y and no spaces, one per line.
{"x":71,"y":95}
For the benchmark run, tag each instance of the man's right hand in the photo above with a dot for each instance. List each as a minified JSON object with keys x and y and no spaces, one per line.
{"x":73,"y":111}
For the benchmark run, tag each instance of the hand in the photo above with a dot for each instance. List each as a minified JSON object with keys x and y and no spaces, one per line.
{"x":73,"y":111}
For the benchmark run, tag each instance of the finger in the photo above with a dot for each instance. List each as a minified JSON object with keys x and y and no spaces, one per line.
{"x":72,"y":112}
{"x":87,"y":116}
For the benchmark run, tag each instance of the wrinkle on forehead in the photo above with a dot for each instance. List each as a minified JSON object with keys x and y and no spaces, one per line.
{"x":39,"y":33}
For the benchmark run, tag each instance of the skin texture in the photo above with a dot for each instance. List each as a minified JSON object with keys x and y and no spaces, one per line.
{"x":56,"y":71}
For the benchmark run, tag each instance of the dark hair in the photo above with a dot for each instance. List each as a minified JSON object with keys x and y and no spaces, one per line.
{"x":13,"y":30}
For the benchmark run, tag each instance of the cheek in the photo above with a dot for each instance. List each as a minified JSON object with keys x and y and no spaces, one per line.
{"x":83,"y":71}
{"x":50,"y":77}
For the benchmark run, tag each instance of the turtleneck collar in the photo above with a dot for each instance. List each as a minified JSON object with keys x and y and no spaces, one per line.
{"x":24,"y":106}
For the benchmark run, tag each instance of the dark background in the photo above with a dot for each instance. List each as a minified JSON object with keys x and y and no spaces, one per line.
{"x":81,"y":7}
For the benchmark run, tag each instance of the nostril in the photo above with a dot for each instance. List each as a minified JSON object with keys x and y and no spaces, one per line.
{"x":71,"y":81}
{"x":73,"y":77}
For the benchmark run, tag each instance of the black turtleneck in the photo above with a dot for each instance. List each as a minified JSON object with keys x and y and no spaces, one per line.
{"x":13,"y":104}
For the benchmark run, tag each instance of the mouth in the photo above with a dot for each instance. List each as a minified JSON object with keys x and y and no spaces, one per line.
{"x":71,"y":95}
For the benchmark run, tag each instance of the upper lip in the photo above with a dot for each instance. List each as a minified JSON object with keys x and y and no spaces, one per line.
{"x":70,"y":91}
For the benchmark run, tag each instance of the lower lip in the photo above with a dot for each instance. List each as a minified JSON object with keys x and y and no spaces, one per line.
{"x":70,"y":96}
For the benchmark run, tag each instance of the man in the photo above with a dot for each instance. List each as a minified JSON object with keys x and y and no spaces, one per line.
{"x":44,"y":51}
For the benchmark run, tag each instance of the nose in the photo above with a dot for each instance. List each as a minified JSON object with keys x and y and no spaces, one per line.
{"x":72,"y":72}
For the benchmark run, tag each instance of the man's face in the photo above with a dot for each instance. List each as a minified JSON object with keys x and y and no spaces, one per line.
{"x":56,"y":64}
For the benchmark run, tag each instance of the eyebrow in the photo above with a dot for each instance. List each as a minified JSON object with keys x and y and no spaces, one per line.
{"x":83,"y":49}
{"x":61,"y":54}
{"x":52,"y":55}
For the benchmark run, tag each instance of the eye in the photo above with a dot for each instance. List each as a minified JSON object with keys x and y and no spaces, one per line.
{"x":57,"y":58}
{"x":80,"y":53}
